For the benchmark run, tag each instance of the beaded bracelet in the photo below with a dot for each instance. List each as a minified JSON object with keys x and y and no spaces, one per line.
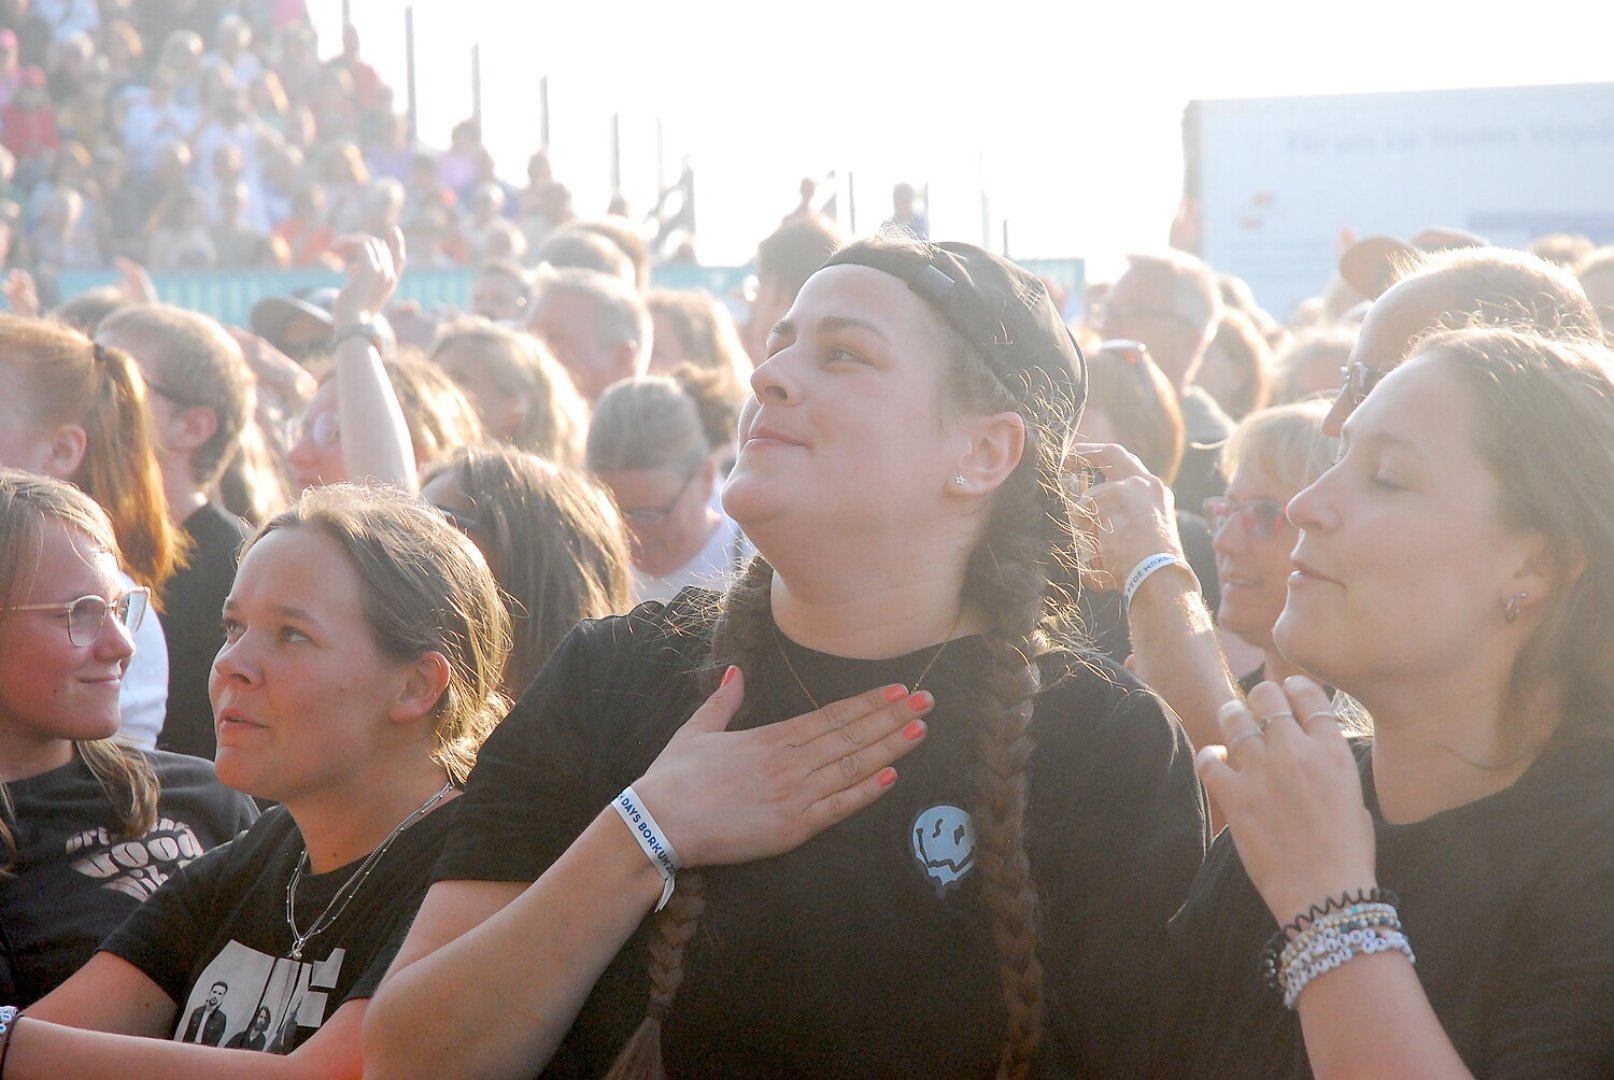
{"x":1296,"y":978}
{"x":1358,"y":917}
{"x":9,"y":1015}
{"x":1314,"y":914}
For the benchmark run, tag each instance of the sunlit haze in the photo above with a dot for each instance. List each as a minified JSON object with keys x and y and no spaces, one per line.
{"x":1069,"y":115}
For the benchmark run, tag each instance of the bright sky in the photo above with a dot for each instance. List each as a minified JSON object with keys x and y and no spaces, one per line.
{"x":1076,"y":112}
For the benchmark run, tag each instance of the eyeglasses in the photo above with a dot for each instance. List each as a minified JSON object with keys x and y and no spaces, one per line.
{"x":87,"y":614}
{"x":1260,"y":517}
{"x":324,"y":429}
{"x":1359,"y":379}
{"x":652,"y":516}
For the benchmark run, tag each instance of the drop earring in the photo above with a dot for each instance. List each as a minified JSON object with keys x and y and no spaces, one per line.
{"x":1510,"y":609}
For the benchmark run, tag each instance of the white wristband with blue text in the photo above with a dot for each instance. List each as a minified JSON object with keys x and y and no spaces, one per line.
{"x":1142,"y":572}
{"x":656,"y":847}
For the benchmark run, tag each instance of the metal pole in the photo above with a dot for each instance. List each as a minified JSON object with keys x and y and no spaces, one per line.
{"x":347,"y":15}
{"x":986,"y":206}
{"x":543,"y":113}
{"x":851,"y":204}
{"x":409,"y":70}
{"x":476,"y":84}
{"x":616,"y":153}
{"x":661,"y":159}
{"x":1006,"y":238}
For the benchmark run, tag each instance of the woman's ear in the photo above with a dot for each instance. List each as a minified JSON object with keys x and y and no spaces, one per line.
{"x":996,"y":444}
{"x":65,"y":451}
{"x":424,"y":685}
{"x":1542,"y":574}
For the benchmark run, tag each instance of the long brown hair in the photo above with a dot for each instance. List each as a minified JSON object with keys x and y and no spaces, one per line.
{"x":1545,"y":428}
{"x":67,"y":379}
{"x":27,"y":504}
{"x":1007,"y":583}
{"x":555,"y":543}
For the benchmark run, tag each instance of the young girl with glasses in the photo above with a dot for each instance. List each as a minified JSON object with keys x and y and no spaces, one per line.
{"x":89,"y":826}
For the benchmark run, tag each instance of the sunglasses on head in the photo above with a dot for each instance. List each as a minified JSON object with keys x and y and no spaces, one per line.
{"x":1260,"y":517}
{"x":1359,"y":379}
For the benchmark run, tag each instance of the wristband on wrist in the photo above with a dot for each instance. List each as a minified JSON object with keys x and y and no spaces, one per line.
{"x":9,"y":1015}
{"x":1146,"y":568}
{"x":369,"y":330}
{"x":656,"y":847}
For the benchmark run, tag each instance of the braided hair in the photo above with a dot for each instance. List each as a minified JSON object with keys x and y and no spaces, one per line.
{"x":1007,"y":584}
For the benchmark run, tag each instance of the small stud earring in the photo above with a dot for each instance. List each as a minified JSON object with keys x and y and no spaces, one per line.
{"x":1510,"y":610}
{"x":959,"y":481}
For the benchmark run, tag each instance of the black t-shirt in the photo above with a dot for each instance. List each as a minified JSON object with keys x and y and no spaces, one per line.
{"x":75,"y":881}
{"x":192,"y":602}
{"x":221,"y":922}
{"x":867,"y":951}
{"x":1505,"y":901}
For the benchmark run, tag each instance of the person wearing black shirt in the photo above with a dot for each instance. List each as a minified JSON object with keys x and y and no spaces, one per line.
{"x":89,"y":827}
{"x":365,"y":640}
{"x":1455,"y":574}
{"x":200,"y":400}
{"x":1000,"y":911}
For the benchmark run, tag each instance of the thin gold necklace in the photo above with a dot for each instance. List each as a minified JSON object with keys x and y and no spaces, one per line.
{"x":917,"y":683}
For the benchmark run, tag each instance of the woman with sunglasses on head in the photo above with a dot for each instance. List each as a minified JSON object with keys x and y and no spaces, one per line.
{"x":656,"y":443}
{"x":364,"y":643}
{"x":89,"y":826}
{"x":1430,"y":900}
{"x":998,"y":911}
{"x":76,"y":411}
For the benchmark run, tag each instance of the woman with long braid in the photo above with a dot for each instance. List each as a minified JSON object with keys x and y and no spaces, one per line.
{"x":1000,"y":912}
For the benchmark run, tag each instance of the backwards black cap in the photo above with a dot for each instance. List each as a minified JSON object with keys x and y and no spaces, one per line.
{"x":1002,"y":310}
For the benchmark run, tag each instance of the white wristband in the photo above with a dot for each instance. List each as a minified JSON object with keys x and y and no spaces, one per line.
{"x":1141,"y":572}
{"x":654,"y":842}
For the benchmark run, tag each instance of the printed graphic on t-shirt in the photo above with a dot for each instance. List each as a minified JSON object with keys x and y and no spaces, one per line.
{"x":134,"y":867}
{"x":253,"y":1001}
{"x":944,"y":844}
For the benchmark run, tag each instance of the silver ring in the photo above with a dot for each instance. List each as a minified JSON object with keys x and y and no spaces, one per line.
{"x":1265,"y":720}
{"x":1252,"y":733}
{"x":1329,"y":713}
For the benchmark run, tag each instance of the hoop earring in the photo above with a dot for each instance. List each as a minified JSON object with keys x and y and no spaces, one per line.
{"x":1510,"y":609}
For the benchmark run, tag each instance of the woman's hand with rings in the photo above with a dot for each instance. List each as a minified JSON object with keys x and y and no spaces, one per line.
{"x":1291,"y":793}
{"x":1125,"y":515}
{"x":728,"y":797}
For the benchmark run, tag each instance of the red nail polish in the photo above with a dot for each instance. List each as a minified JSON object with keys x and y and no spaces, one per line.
{"x":913,"y":730}
{"x":921,"y":701}
{"x":728,"y":676}
{"x":886,"y":776}
{"x":896,"y":693}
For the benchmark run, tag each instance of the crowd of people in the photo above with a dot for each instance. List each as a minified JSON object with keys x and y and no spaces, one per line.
{"x":903,"y":680}
{"x":201,"y":135}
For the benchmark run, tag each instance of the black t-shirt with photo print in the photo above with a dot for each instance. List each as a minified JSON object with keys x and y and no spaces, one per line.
{"x":74,"y":881}
{"x":216,"y":939}
{"x":867,"y":951}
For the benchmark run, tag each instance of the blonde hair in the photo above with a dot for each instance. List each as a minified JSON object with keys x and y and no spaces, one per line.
{"x":27,"y":503}
{"x":67,"y":379}
{"x":426,"y":589}
{"x":1285,"y":441}
{"x":556,"y":421}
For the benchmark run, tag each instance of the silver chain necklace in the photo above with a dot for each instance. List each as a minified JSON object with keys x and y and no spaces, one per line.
{"x":339,"y":902}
